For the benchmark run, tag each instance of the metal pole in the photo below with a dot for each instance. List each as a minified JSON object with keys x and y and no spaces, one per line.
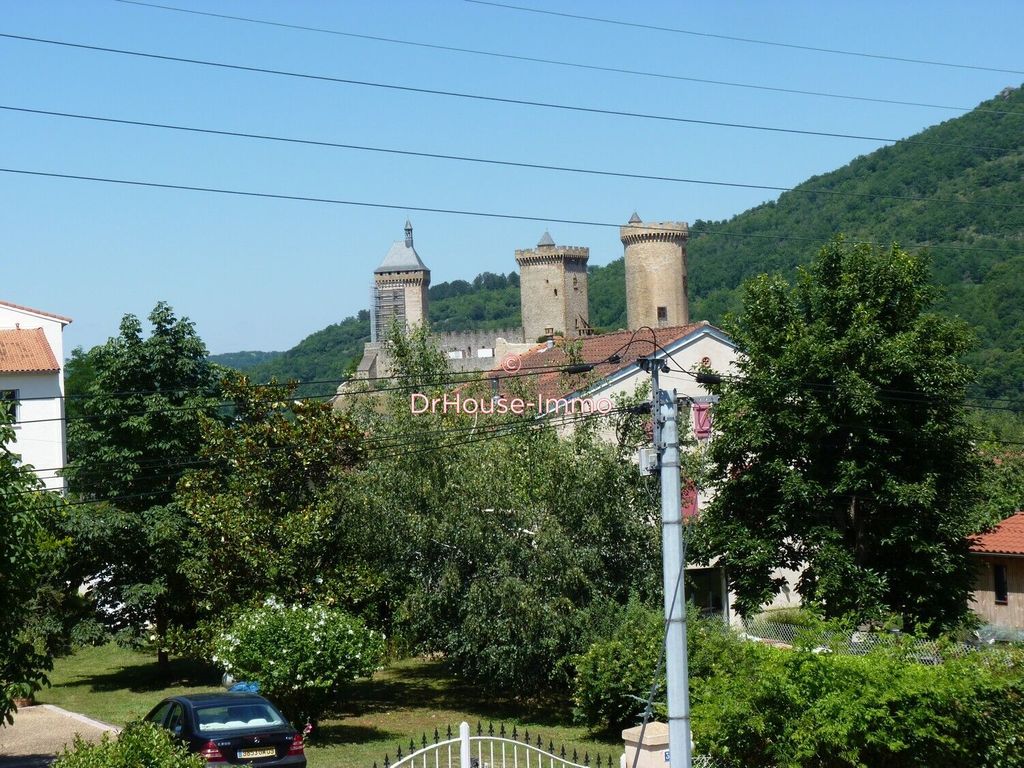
{"x":464,"y":752}
{"x":666,"y":413}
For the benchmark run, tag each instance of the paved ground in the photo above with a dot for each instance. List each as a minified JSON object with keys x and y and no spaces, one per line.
{"x":39,"y":733}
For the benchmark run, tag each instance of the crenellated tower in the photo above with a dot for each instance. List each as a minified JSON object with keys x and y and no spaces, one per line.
{"x":553,"y":289}
{"x":655,"y":273}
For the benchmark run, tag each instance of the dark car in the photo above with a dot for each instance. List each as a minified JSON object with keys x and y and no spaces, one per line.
{"x":231,"y":729}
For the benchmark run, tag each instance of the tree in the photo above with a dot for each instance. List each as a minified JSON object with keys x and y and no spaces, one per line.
{"x":512,"y":542}
{"x":263,"y":511}
{"x":22,"y":666}
{"x":137,"y":433}
{"x":844,"y":449}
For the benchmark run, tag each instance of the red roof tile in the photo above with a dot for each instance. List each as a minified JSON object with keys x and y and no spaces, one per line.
{"x":12,"y":305}
{"x":595,"y":349}
{"x":25,"y":350}
{"x":1007,"y":538}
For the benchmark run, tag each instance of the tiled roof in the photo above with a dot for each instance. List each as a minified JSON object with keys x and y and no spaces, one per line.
{"x":25,"y":350}
{"x":63,"y":319}
{"x":1007,"y":538}
{"x":595,"y":349}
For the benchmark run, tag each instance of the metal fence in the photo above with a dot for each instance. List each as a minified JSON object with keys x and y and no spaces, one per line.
{"x":856,"y":643}
{"x":502,"y":748}
{"x":493,"y":747}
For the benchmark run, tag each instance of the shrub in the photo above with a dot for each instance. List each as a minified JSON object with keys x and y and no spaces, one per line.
{"x":805,"y":710}
{"x":298,"y":655}
{"x":140,"y":744}
{"x":613,"y":673}
{"x":614,"y":676}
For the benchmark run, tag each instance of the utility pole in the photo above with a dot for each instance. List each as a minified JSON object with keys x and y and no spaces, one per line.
{"x":665,"y":412}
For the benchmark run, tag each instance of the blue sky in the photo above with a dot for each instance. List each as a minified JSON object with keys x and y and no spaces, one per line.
{"x":262,"y":274}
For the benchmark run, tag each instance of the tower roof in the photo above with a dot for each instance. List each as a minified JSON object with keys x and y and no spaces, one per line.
{"x":545,"y":239}
{"x":402,"y":256}
{"x":635,"y":218}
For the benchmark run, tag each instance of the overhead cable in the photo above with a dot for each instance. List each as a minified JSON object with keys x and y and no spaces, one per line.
{"x":492,"y":99}
{"x":753,"y":41}
{"x":559,"y":62}
{"x":703,"y":230}
{"x":492,"y":161}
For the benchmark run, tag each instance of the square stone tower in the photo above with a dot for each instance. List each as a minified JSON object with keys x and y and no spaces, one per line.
{"x":553,"y":289}
{"x":655,"y":273}
{"x":400,"y":286}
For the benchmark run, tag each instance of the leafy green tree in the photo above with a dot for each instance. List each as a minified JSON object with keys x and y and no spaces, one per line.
{"x":139,"y":429}
{"x":512,"y":541}
{"x":843,"y":446}
{"x":262,"y":510}
{"x":22,"y":544}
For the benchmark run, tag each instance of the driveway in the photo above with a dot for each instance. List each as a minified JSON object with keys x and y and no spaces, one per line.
{"x":39,"y":734}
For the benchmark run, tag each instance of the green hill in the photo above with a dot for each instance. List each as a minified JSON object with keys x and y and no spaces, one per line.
{"x":243,"y":361}
{"x":975,"y":235}
{"x":956,"y":189}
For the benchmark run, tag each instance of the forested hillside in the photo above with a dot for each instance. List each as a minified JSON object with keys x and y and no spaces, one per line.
{"x":956,"y":189}
{"x":971,"y":169}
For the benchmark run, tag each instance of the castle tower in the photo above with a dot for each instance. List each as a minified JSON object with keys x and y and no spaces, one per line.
{"x":553,"y":289}
{"x":655,"y":273}
{"x":399,"y":289}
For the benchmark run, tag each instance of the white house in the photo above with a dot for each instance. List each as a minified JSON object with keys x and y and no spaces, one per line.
{"x":32,"y":388}
{"x":618,"y":373}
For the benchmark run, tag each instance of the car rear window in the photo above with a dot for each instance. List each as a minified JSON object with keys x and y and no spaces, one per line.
{"x":233,"y":717}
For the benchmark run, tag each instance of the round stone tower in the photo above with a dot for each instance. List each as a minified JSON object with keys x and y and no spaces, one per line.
{"x":655,"y":273}
{"x":553,"y":289}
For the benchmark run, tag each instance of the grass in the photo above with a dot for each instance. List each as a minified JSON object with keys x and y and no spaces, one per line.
{"x":409,"y":699}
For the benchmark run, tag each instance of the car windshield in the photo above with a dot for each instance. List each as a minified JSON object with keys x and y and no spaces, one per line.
{"x":234,"y":717}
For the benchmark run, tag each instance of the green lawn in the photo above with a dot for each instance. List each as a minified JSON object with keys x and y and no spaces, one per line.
{"x":405,"y":701}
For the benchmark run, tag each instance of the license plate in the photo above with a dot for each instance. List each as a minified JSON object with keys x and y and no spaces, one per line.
{"x":244,"y":754}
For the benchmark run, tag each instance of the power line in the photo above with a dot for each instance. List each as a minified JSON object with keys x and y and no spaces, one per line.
{"x":754,"y":41}
{"x":495,"y":99}
{"x":558,"y":62}
{"x":461,"y":212}
{"x":492,"y":161}
{"x":440,"y":380}
{"x":387,"y":450}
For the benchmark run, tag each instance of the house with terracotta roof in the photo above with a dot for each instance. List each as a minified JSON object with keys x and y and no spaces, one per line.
{"x":999,"y":589}
{"x":32,"y":388}
{"x":617,"y":372}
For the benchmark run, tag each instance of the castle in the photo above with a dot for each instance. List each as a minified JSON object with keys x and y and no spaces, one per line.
{"x":553,"y":296}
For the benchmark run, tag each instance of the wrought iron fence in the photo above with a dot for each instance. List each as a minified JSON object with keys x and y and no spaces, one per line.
{"x":491,"y":747}
{"x":501,"y":748}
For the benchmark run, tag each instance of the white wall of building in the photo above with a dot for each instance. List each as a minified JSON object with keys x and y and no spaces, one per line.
{"x":40,"y":429}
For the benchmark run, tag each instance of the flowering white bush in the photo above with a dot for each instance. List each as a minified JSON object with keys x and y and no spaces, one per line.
{"x":298,"y":655}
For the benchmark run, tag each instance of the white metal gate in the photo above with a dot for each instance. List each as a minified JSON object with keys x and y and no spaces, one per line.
{"x":491,"y":751}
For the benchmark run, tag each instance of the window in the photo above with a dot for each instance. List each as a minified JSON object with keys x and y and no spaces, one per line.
{"x":556,"y":291}
{"x":159,"y":714}
{"x":228,"y":717}
{"x":1001,"y":589}
{"x":176,"y":720}
{"x":9,"y":404}
{"x":662,"y":314}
